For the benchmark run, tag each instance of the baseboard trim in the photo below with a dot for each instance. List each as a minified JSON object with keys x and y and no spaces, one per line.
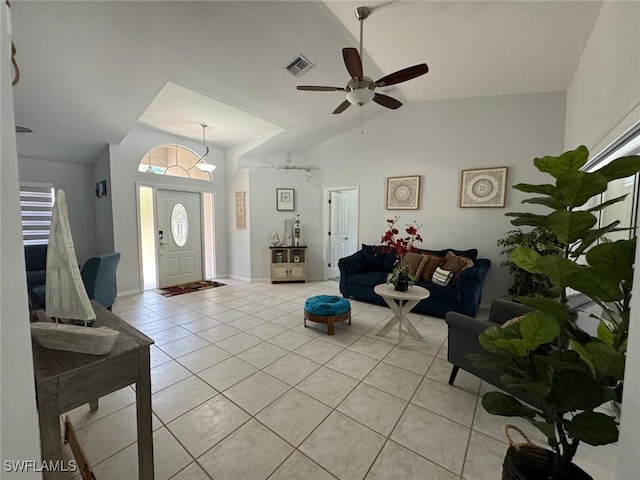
{"x":126,"y":293}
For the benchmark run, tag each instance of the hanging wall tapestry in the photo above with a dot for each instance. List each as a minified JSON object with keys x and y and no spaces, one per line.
{"x":241,"y":211}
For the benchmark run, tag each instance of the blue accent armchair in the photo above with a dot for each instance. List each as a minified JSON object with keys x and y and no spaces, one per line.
{"x":99,"y":278}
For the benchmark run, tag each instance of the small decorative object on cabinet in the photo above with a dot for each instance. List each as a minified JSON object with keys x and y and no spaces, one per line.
{"x":288,"y":264}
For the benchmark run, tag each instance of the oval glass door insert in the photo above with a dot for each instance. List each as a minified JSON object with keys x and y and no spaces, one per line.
{"x":179,"y":224}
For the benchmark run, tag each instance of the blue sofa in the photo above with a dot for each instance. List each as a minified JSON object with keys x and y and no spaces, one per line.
{"x":362,"y":271}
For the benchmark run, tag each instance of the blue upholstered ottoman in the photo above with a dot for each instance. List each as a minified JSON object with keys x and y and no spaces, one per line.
{"x":328,"y":309}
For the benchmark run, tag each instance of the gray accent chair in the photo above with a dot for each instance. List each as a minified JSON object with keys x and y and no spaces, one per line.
{"x":463,"y":338}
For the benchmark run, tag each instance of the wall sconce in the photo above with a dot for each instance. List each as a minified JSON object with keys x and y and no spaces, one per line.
{"x":101,"y":188}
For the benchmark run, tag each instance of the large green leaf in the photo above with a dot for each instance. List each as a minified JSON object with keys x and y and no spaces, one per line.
{"x":569,"y":226}
{"x":498,"y":403}
{"x":558,"y":310}
{"x":607,"y":360}
{"x":525,"y":258}
{"x":568,"y":162}
{"x":575,"y":390}
{"x":621,"y":167}
{"x":537,"y":328}
{"x":489,"y":337}
{"x":593,"y":428}
{"x":558,"y":269}
{"x":544,"y":189}
{"x":526,"y":219}
{"x":614,"y":258}
{"x":546,"y":201}
{"x":603,"y":205}
{"x":576,"y":188}
{"x":515,"y":346}
{"x":595,"y":284}
{"x":605,"y":333}
{"x":591,"y":236}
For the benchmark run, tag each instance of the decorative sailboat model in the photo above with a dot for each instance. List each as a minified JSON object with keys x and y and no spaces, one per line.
{"x":66,"y":297}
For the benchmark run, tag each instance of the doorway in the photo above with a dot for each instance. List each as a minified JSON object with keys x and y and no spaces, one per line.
{"x":179,"y":237}
{"x":176,"y":236}
{"x":341,"y":225}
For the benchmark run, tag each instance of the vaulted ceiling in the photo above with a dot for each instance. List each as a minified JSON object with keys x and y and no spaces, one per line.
{"x":91,"y":71}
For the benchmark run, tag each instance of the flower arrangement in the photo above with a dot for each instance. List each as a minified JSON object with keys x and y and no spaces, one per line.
{"x":399,"y":277}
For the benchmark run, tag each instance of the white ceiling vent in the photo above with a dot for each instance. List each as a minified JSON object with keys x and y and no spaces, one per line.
{"x":299,"y":66}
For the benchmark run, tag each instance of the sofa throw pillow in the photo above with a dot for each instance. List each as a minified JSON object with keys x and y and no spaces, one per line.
{"x":442,"y":277}
{"x":413,"y":263}
{"x":431,"y":262}
{"x":455,"y":263}
{"x":374,"y":257}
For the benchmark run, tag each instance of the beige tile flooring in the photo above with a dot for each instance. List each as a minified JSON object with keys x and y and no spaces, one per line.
{"x":241,"y":391}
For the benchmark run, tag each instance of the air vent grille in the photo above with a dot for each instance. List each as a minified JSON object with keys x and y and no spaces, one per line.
{"x":298,"y":66}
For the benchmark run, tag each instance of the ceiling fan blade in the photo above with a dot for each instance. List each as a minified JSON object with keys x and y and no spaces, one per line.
{"x":353,"y":62}
{"x":386,"y":101}
{"x":403,"y":75}
{"x":20,"y":129}
{"x":315,"y":88}
{"x":342,"y":107}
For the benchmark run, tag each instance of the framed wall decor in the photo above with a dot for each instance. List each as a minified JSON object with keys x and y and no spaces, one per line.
{"x":284,"y":199}
{"x":483,"y":187}
{"x":403,"y":193}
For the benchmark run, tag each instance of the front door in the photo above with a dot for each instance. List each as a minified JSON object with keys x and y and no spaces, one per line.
{"x":338,"y":215}
{"x":179,"y":238}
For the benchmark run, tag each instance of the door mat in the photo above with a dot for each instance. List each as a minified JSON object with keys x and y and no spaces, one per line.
{"x":188,"y":288}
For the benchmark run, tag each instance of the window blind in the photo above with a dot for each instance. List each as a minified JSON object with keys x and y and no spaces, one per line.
{"x":36,"y":205}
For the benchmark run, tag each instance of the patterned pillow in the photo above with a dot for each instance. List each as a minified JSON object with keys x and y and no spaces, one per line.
{"x":431,"y":262}
{"x":413,"y":262}
{"x":456,"y":264}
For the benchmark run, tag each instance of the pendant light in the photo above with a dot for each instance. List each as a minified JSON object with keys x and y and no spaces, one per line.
{"x":201,"y":164}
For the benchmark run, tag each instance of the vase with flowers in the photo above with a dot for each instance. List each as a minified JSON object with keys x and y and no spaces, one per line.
{"x":391,"y":242}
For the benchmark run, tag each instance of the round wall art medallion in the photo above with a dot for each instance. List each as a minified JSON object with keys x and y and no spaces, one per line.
{"x":403,"y":193}
{"x":483,"y":187}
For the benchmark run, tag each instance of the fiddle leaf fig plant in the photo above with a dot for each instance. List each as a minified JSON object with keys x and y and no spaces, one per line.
{"x":563,"y":372}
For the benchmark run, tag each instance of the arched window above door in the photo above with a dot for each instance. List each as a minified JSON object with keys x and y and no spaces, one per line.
{"x":172,"y":160}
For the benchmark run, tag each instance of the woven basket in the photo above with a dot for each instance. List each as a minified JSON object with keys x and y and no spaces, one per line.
{"x":528,"y":461}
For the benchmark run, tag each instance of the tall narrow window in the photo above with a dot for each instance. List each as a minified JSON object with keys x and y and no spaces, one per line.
{"x":36,"y":205}
{"x":625,"y":211}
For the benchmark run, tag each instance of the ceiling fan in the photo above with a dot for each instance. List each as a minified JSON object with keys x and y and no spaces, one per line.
{"x":360,"y":89}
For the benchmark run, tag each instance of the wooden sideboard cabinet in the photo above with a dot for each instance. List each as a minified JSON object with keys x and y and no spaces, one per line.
{"x":288,"y":264}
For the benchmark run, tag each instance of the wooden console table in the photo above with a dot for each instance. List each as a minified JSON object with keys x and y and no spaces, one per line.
{"x":66,"y":380}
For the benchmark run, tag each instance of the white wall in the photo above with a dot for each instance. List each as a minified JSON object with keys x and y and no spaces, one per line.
{"x":78,"y":185}
{"x":437,"y":140}
{"x":124,"y":160}
{"x":103,"y":206}
{"x":19,"y":435}
{"x":239,"y":241}
{"x":603,"y":100}
{"x":265,"y":217}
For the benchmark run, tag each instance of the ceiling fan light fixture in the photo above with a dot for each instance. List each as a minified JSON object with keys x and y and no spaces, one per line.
{"x":360,"y":96}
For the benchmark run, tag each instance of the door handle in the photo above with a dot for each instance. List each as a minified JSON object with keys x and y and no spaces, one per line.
{"x":163,"y":244}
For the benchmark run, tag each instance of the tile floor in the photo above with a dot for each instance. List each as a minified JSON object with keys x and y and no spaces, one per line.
{"x":241,"y":391}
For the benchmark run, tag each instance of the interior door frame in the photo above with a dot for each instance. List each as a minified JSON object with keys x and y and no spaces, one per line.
{"x":326,"y":224}
{"x":155,"y":188}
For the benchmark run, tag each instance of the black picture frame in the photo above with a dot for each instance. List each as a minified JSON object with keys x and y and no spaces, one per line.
{"x":285,"y":199}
